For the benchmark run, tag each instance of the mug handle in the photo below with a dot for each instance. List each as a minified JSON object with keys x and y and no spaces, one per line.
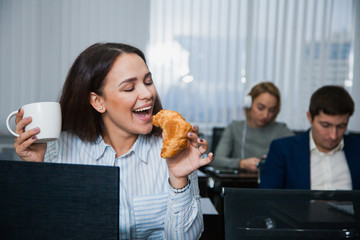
{"x":8,"y":123}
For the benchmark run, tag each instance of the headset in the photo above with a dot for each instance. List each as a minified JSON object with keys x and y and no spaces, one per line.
{"x":247,"y":101}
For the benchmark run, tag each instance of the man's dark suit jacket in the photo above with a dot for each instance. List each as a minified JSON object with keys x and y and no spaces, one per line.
{"x":288,"y":162}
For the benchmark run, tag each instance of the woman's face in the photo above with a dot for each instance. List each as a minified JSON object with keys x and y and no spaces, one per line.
{"x":128,"y":96}
{"x":263,"y":110}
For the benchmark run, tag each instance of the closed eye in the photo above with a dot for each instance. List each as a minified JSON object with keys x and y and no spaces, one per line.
{"x":260,"y":107}
{"x":148,"y":79}
{"x":129,"y":90}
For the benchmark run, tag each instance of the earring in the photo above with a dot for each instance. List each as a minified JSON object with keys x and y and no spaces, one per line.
{"x":100,"y":108}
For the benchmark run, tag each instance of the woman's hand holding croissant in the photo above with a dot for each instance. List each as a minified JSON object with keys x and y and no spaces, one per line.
{"x":188,"y":160}
{"x":182,"y":148}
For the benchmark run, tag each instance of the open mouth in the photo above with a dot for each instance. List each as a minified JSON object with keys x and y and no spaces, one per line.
{"x":143,"y":113}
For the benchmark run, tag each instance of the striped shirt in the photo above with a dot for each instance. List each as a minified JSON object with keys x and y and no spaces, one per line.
{"x":149,"y":208}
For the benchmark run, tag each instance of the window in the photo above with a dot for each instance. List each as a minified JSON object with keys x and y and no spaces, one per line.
{"x":205,"y":55}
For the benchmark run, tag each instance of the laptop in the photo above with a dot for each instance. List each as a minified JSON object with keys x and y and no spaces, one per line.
{"x":58,"y":201}
{"x":291,"y":214}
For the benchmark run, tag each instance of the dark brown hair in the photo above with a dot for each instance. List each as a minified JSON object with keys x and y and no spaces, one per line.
{"x":332,"y":100}
{"x":267,"y":87}
{"x":86,"y":75}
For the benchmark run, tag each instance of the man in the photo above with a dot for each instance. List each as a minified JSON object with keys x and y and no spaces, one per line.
{"x":322,"y":158}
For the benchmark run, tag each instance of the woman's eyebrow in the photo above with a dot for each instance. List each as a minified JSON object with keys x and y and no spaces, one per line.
{"x":134,"y":79}
{"x":128,"y":80}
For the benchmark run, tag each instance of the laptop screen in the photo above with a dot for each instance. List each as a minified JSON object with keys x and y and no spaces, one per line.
{"x":291,"y":214}
{"x":58,"y":201}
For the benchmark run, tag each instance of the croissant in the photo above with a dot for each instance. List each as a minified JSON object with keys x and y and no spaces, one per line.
{"x":175,"y":130}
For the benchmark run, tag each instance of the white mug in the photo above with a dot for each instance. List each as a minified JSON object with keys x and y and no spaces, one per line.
{"x":45,"y":115}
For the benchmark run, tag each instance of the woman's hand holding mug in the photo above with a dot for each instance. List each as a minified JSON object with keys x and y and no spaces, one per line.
{"x":36,"y":124}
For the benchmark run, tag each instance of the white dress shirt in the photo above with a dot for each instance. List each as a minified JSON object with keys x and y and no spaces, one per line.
{"x":149,"y":208}
{"x":329,"y":171}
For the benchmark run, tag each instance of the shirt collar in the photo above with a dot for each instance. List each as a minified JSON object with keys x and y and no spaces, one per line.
{"x":140,"y":148}
{"x":313,"y":147}
{"x":100,"y":147}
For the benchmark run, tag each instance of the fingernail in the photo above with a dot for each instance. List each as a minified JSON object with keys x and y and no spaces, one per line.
{"x":36,"y":129}
{"x":27,"y":118}
{"x":33,"y":137}
{"x":190,"y":134}
{"x":201,"y":140}
{"x":19,"y":110}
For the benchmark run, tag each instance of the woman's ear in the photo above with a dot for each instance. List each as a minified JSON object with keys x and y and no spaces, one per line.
{"x":97,"y":102}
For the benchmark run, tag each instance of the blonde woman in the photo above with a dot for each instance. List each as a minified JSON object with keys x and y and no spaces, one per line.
{"x":244,"y":143}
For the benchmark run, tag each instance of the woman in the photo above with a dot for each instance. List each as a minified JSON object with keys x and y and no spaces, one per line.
{"x":244,"y":143}
{"x":107,"y":103}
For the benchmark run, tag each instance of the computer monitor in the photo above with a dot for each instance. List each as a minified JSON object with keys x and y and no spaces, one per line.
{"x":291,"y":214}
{"x":58,"y":201}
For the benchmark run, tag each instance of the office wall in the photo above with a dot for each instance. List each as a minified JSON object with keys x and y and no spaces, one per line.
{"x":206,"y":55}
{"x":39,"y":40}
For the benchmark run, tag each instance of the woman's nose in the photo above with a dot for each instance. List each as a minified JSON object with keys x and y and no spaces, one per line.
{"x":266,"y":114}
{"x":144,"y":92}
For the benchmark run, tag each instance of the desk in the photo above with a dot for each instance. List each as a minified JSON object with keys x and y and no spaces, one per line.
{"x":230,"y":178}
{"x":211,"y":182}
{"x":219,"y":178}
{"x":283,"y":214}
{"x":216,"y":179}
